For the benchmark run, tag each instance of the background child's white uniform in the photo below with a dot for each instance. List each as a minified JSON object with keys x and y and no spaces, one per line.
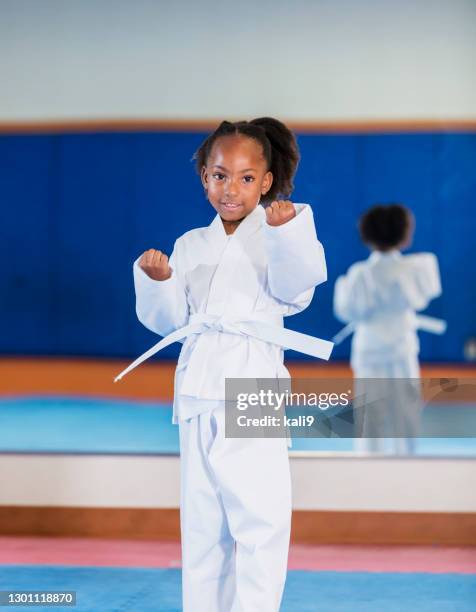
{"x":379,"y":296}
{"x":234,"y":492}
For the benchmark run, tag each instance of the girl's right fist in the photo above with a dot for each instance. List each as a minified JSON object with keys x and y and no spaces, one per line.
{"x":156,"y":265}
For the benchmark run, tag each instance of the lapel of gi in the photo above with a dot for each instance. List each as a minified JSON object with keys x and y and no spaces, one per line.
{"x":233,"y":256}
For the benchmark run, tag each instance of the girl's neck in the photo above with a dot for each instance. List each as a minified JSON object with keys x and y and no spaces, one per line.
{"x":230,"y":226}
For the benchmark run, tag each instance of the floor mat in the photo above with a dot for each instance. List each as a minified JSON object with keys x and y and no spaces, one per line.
{"x":158,"y":590}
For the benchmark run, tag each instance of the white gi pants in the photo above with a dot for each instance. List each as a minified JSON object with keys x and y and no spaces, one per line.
{"x":235,"y":517}
{"x":402,"y":407}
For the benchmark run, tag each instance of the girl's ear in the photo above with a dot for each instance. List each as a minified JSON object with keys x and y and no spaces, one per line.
{"x":204,"y":177}
{"x":267,"y":182}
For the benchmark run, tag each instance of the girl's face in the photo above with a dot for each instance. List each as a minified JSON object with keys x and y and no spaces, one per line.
{"x":236,"y":177}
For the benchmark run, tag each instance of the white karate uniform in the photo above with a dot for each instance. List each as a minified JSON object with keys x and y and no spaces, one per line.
{"x":226,"y":295}
{"x":379,"y":298}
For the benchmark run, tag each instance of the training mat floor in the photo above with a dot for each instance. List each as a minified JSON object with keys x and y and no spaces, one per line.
{"x":106,"y":589}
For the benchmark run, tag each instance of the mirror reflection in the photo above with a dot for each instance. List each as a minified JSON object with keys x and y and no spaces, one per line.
{"x":384,"y":299}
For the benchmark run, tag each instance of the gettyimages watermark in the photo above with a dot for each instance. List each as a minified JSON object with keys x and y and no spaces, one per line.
{"x":350,"y":408}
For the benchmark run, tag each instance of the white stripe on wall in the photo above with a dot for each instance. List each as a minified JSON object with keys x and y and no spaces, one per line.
{"x":296,"y":59}
{"x":319,"y":483}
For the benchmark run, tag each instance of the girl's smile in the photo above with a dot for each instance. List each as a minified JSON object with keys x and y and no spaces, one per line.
{"x":230,"y":205}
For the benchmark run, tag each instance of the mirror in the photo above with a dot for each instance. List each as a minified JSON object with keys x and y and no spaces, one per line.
{"x":68,"y":313}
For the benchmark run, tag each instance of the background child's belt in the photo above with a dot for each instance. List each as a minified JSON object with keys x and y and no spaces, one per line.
{"x":423,"y":322}
{"x":256,"y":326}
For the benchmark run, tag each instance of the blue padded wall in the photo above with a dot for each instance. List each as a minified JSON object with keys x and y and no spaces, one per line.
{"x":28,"y":184}
{"x":77,"y":209}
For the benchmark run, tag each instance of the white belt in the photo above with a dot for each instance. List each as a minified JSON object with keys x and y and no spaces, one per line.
{"x":253,"y":326}
{"x":431,"y":324}
{"x":423,"y":322}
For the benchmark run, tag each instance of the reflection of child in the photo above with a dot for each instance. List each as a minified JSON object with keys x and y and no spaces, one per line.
{"x":225,"y":291}
{"x":378,"y":297}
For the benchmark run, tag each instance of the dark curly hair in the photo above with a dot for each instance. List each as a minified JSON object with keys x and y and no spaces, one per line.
{"x":279,"y":146}
{"x":385,"y":226}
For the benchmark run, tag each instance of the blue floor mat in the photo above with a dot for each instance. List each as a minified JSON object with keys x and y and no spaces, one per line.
{"x":86,"y":425}
{"x":58,"y":424}
{"x":104,"y":589}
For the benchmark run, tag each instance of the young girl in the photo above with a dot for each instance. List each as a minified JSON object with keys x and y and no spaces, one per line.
{"x":224,"y":292}
{"x":378,"y":298}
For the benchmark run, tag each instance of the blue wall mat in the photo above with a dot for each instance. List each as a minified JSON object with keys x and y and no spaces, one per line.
{"x":80,"y":208}
{"x":455,"y":233}
{"x":28,"y":196}
{"x":95,"y":176}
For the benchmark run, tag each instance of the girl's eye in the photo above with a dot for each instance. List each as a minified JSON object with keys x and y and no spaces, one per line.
{"x":248,"y":178}
{"x":218,"y":176}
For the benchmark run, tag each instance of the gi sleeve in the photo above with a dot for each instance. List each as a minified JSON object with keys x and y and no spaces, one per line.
{"x":161,"y":306}
{"x":296,"y":259}
{"x":421,"y":281}
{"x":354,"y":295}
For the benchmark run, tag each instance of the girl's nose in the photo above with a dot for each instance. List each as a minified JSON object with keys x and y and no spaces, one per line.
{"x":232,"y":187}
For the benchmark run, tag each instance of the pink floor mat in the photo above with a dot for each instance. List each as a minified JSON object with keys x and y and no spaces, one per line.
{"x":134,"y":553}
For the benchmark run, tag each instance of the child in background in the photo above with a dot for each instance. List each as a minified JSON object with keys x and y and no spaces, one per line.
{"x":224,"y":292}
{"x":379,"y":298}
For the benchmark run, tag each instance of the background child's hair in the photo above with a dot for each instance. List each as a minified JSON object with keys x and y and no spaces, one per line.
{"x":279,"y":149}
{"x":385,"y":226}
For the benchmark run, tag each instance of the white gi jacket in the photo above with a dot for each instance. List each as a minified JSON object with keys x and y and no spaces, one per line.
{"x":262,"y":273}
{"x":379,"y":297}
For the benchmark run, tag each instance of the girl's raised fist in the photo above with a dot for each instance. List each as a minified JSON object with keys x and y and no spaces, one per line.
{"x":156,"y":265}
{"x":279,"y":212}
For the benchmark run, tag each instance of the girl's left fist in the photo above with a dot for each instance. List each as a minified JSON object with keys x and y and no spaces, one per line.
{"x":279,"y":212}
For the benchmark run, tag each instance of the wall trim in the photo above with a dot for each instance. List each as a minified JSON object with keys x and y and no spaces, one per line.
{"x":125,"y":124}
{"x":154,"y":380}
{"x":310,"y":527}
